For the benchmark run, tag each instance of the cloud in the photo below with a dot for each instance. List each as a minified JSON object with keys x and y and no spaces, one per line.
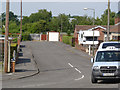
{"x":62,"y":0}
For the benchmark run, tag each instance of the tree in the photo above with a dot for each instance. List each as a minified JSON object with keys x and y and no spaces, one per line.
{"x":54,"y":24}
{"x":12,"y":17}
{"x":25,"y":20}
{"x":104,"y":17}
{"x":63,"y":22}
{"x":98,"y":21}
{"x":13,"y":27}
{"x":42,"y":14}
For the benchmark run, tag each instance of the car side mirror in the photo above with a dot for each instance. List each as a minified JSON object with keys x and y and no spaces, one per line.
{"x":92,"y":60}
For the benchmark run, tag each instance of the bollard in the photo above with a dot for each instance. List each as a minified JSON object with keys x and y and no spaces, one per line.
{"x":12,"y":66}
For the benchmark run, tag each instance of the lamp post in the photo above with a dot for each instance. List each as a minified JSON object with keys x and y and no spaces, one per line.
{"x":93,"y":24}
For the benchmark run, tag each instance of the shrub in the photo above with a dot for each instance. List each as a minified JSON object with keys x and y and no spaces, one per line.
{"x":26,"y":37}
{"x":67,"y":40}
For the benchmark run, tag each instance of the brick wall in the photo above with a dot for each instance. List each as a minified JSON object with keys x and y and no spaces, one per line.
{"x":80,"y":47}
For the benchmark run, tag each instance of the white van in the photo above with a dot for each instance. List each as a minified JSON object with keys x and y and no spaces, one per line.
{"x":106,"y":64}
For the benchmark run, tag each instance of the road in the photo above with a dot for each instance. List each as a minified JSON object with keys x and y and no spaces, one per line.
{"x":61,"y":66}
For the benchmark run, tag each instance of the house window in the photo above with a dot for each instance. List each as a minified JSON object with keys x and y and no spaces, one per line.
{"x":115,"y":37}
{"x":91,"y":38}
{"x":81,"y":35}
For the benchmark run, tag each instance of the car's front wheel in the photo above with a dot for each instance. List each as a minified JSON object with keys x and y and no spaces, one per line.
{"x":93,"y":80}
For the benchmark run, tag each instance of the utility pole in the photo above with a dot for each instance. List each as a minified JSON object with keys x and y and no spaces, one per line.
{"x":21,"y":23}
{"x":6,"y":37}
{"x":61,"y":23}
{"x":108,"y":26}
{"x":93,"y":29}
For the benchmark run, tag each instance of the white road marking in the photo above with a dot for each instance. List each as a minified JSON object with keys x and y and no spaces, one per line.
{"x":77,"y":70}
{"x":70,"y":64}
{"x":80,"y":78}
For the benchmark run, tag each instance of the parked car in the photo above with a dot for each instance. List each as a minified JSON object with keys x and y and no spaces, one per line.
{"x":106,"y":64}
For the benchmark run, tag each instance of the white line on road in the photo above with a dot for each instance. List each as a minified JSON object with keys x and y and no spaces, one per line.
{"x":70,"y":64}
{"x":77,"y":70}
{"x":80,"y":78}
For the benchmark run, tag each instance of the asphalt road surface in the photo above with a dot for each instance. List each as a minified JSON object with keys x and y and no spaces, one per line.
{"x":61,"y":66}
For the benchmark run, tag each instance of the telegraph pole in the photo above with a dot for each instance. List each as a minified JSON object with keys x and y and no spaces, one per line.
{"x":21,"y":23}
{"x":61,"y":23}
{"x":108,"y":26}
{"x":6,"y":37}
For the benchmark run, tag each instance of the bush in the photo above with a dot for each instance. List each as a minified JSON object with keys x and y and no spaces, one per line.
{"x":69,"y":33}
{"x":67,"y":40}
{"x":15,"y":40}
{"x":26,"y":37}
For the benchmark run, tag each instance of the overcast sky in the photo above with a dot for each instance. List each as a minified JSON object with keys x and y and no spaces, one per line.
{"x":62,"y":0}
{"x":57,"y":7}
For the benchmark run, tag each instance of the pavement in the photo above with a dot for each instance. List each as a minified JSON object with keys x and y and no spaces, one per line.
{"x":25,"y":66}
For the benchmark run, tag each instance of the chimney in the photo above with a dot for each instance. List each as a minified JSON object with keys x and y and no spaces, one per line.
{"x":117,"y":20}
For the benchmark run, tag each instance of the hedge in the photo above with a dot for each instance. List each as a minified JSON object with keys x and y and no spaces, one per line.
{"x":67,"y":40}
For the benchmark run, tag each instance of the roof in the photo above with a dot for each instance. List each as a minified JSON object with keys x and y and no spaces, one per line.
{"x":90,"y":27}
{"x":115,"y":28}
{"x":109,"y":43}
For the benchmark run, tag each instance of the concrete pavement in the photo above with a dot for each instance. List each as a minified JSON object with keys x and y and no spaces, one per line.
{"x":25,"y":66}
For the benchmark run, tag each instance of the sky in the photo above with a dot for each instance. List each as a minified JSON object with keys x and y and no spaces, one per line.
{"x":58,"y":6}
{"x":62,"y":0}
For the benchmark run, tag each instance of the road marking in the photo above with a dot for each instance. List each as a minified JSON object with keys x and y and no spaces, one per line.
{"x":70,"y":64}
{"x":77,"y":70}
{"x":80,"y":78}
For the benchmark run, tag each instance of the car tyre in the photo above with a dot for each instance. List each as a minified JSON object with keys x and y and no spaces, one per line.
{"x":93,"y":80}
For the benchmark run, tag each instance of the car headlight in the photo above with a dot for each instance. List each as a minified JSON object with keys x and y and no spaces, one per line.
{"x":95,"y":68}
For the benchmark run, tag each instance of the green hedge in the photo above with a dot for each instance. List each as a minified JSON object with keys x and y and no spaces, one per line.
{"x":26,"y":37}
{"x":67,"y":40}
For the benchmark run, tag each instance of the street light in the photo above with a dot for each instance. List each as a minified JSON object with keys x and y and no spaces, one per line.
{"x":93,"y":24}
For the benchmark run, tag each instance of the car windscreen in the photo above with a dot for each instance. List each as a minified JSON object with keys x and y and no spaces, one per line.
{"x":108,"y":56}
{"x":117,"y":45}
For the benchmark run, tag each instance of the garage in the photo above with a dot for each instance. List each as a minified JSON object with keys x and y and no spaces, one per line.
{"x":53,"y":36}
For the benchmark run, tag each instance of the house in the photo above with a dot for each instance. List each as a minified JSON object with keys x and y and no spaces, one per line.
{"x":86,"y":42}
{"x":86,"y":37}
{"x":115,"y":31}
{"x":101,"y":29}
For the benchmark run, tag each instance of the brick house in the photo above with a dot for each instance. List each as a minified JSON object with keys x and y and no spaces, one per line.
{"x":115,"y":30}
{"x":101,"y":29}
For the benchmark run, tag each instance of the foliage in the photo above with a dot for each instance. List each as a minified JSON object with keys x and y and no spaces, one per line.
{"x":26,"y":37}
{"x":69,"y":33}
{"x":104,"y":17}
{"x":12,"y":17}
{"x":67,"y":40}
{"x":42,"y":21}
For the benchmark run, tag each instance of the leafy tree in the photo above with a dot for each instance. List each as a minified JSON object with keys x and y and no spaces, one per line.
{"x":42,"y":14}
{"x":63,"y":22}
{"x":69,"y":33}
{"x":25,"y":20}
{"x":12,"y":17}
{"x":104,"y":17}
{"x":98,"y":21}
{"x":13,"y":27}
{"x":54,"y":24}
